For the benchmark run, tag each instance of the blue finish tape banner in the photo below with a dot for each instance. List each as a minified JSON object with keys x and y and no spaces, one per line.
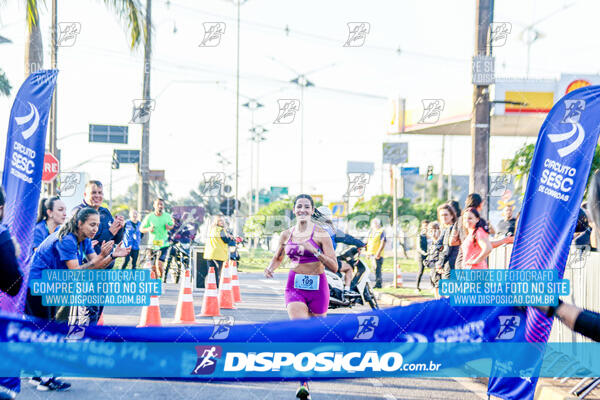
{"x":557,"y":180}
{"x":23,"y":165}
{"x":401,"y":341}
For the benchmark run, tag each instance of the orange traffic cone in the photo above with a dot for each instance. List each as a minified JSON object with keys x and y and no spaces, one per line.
{"x":151,"y":314}
{"x":399,"y":280}
{"x":101,"y":320}
{"x":235,"y":283}
{"x":184,"y":313}
{"x":225,"y":293}
{"x":210,"y":302}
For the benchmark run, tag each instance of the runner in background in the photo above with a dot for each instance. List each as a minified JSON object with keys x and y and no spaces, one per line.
{"x":375,"y":247}
{"x":217,"y":245}
{"x":157,"y":224}
{"x":132,"y":238}
{"x":310,"y":250}
{"x":52,"y":213}
{"x":324,"y":218}
{"x":422,"y":252}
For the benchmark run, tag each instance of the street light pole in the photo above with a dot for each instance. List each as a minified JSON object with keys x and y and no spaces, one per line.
{"x":303,"y":82}
{"x":252,"y":105}
{"x":144,"y":165}
{"x":480,"y":125}
{"x":257,"y":136}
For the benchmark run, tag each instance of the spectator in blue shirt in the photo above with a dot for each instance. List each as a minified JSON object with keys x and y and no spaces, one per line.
{"x":110,"y":228}
{"x":51,"y":215}
{"x":69,"y":248}
{"x":132,"y":238}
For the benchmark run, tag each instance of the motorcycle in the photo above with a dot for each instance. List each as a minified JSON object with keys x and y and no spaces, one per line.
{"x":360,"y":287}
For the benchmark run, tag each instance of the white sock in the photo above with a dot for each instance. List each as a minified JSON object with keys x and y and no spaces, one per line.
{"x":347,"y":287}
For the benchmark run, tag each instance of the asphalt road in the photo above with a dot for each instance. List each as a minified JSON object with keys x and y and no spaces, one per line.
{"x":262,"y":301}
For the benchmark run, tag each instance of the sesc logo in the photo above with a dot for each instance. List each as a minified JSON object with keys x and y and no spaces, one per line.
{"x":366,"y":327}
{"x":27,"y":133}
{"x":508,"y":326}
{"x":573,"y":110}
{"x":207,"y":359}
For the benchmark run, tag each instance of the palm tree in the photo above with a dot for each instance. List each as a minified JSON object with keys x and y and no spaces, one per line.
{"x":128,"y":11}
{"x":4,"y":84}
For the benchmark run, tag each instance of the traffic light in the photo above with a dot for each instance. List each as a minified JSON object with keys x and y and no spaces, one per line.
{"x":429,"y":172}
{"x":115,"y":161}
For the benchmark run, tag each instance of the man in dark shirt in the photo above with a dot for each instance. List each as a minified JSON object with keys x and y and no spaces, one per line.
{"x":506,"y":227}
{"x":110,"y":229}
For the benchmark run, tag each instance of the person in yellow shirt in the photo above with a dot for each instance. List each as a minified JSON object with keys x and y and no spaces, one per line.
{"x":375,"y":245}
{"x":217,"y":245}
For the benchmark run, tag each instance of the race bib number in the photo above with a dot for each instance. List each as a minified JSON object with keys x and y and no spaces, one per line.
{"x":158,"y":243}
{"x":306,"y":282}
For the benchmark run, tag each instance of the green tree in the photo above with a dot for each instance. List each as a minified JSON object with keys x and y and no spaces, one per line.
{"x":520,"y":164}
{"x":256,"y":225}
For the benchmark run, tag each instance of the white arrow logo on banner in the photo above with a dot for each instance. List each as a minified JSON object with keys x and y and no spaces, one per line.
{"x":27,"y":133}
{"x":560,"y":137}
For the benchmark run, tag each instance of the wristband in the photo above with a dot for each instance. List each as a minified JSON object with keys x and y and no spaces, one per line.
{"x":112,"y":256}
{"x":552,"y":309}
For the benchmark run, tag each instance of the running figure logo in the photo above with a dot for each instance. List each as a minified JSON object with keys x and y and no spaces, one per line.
{"x":499,"y":32}
{"x":67,"y":33}
{"x":141,"y":111}
{"x":76,"y":332}
{"x":222,"y":328}
{"x":68,"y":183}
{"x":573,"y":110}
{"x":357,"y":33}
{"x":213,"y":184}
{"x":287,"y":111}
{"x":432,"y":110}
{"x":212,"y":34}
{"x":366,"y":327}
{"x":207,"y":359}
{"x":508,"y":326}
{"x":499,"y":184}
{"x":357,"y":183}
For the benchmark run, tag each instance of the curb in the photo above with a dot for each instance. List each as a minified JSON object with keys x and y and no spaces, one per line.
{"x":391,"y":300}
{"x":549,"y":392}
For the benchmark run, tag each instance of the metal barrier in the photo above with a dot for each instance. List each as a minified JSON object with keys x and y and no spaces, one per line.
{"x":583,"y":272}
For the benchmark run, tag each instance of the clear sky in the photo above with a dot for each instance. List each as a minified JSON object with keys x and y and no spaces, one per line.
{"x":344,"y":113}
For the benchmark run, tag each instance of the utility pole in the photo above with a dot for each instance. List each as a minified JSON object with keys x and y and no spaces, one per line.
{"x":480,"y":123}
{"x":52,"y":187}
{"x":237,"y":123}
{"x":440,"y":191}
{"x":144,"y":166}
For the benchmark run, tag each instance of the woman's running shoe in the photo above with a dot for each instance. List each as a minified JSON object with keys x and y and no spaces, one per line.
{"x":302,"y":392}
{"x":35,"y":380}
{"x":53,"y":384}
